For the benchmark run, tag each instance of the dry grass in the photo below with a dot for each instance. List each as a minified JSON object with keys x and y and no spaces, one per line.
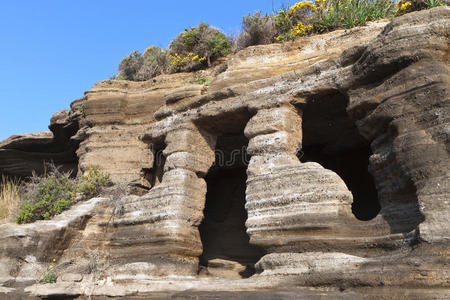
{"x":9,"y":198}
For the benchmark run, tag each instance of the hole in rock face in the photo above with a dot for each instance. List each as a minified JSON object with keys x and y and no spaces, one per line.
{"x":331,"y":139}
{"x":153,"y":176}
{"x":226,"y":248}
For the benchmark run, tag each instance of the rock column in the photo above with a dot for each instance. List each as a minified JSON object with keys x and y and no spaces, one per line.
{"x":292,"y":206}
{"x":161,"y":227}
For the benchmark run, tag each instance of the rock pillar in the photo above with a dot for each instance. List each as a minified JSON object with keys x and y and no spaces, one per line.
{"x":161,"y":227}
{"x":292,"y":206}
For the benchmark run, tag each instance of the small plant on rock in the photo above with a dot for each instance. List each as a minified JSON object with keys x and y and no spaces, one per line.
{"x":49,"y":275}
{"x":200,"y":80}
{"x":435,"y":3}
{"x":91,"y":183}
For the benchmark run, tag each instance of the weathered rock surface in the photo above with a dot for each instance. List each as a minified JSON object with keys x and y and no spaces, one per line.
{"x":21,"y":155}
{"x":320,"y":163}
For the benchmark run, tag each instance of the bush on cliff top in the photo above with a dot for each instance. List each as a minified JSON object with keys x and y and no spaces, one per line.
{"x":256,"y":30}
{"x":192,"y":49}
{"x":197,"y":47}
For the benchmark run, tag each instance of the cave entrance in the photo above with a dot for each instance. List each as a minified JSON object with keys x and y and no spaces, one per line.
{"x":331,"y":139}
{"x":226,"y":248}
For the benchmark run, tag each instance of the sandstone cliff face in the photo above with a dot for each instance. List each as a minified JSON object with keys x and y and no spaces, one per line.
{"x":321,"y":162}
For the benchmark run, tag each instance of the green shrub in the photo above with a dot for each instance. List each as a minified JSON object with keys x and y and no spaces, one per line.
{"x":306,"y":17}
{"x":435,"y":3}
{"x":200,"y":80}
{"x":155,"y":62}
{"x":49,"y":277}
{"x":350,"y":13}
{"x":122,"y":76}
{"x":130,"y":65}
{"x":294,"y":21}
{"x":256,"y":30}
{"x":91,"y":183}
{"x":50,"y":195}
{"x":197,"y":47}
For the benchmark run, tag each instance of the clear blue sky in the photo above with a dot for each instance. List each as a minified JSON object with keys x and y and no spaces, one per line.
{"x":53,"y":51}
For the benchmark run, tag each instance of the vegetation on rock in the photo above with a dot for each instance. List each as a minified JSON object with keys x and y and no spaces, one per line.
{"x":49,"y":195}
{"x":9,"y":197}
{"x":91,"y":183}
{"x":256,"y":30}
{"x":198,"y":46}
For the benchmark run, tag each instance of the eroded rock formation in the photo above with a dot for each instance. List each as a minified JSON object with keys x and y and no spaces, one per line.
{"x":322,"y":162}
{"x":21,"y":155}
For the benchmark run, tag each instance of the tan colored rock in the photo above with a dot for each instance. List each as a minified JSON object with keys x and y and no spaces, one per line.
{"x":68,"y":277}
{"x":267,"y":121}
{"x":310,"y":119}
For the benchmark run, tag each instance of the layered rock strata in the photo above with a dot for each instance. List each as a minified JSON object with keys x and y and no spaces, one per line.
{"x":347,"y":181}
{"x":25,"y":154}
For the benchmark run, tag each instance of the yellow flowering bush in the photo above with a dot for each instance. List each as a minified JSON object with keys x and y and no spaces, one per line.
{"x":300,"y":29}
{"x":300,"y":6}
{"x":403,"y":7}
{"x":197,"y":47}
{"x":294,"y":21}
{"x":180,"y":61}
{"x":406,"y":6}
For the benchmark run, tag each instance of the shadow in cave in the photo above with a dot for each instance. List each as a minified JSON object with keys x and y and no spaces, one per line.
{"x":351,"y":166}
{"x":331,"y":139}
{"x":226,"y":247}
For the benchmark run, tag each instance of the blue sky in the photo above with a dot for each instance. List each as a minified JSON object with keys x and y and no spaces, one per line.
{"x":53,"y":51}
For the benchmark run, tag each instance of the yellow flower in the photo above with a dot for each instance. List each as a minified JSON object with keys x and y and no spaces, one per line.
{"x":50,"y":267}
{"x":54,"y":259}
{"x":299,"y":5}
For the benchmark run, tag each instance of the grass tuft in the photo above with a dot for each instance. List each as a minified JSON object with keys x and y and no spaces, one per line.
{"x":9,"y":197}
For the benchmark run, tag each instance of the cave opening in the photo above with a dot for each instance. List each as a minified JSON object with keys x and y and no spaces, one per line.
{"x":331,"y":139}
{"x":226,"y":248}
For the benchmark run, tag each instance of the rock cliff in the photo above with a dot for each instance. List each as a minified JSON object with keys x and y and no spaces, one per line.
{"x":318,"y":167}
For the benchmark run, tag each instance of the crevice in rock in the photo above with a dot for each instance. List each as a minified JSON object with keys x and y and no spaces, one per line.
{"x":331,"y":139}
{"x":154,"y":175}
